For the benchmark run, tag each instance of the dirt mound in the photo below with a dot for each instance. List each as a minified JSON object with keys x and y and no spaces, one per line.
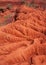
{"x":23,"y":38}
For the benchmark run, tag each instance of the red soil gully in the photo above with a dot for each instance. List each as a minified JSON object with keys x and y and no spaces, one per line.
{"x":22,"y":35}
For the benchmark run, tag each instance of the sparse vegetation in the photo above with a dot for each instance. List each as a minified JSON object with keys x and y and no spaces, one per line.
{"x":8,"y":16}
{"x":30,"y":4}
{"x":9,"y":6}
{"x":23,"y":1}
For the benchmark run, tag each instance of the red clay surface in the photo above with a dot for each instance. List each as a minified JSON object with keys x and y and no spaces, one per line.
{"x":23,"y":36}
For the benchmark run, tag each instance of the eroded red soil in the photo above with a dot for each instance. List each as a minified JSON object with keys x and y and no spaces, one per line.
{"x":23,"y":36}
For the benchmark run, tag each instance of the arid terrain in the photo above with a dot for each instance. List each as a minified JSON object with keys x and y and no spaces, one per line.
{"x":22,"y":32}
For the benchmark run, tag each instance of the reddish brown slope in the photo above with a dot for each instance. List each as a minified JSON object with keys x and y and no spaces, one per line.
{"x":23,"y":42}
